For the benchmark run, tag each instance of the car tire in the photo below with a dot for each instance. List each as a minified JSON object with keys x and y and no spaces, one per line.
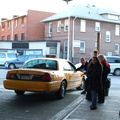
{"x":82,"y":86}
{"x":19,"y":92}
{"x":62,"y":91}
{"x":117,"y":72}
{"x":11,"y":66}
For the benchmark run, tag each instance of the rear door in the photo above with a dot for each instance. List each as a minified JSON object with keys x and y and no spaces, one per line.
{"x":21,"y":60}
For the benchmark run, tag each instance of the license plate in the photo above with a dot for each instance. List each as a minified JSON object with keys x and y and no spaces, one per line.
{"x":25,"y":77}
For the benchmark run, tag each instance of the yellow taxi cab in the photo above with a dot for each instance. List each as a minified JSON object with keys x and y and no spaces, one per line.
{"x":44,"y":75}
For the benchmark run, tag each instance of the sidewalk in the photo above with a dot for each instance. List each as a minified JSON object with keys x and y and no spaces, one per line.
{"x":107,"y":111}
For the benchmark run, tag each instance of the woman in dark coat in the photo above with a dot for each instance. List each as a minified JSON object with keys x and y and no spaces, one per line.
{"x":106,"y":71}
{"x":94,"y":74}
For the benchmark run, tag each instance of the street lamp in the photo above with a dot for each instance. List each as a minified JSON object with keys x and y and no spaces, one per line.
{"x":67,"y":1}
{"x":68,"y":30}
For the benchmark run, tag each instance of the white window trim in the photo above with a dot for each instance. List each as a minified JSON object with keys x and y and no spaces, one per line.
{"x":82,"y":50}
{"x":58,"y":26}
{"x":97,"y":26}
{"x":117,"y":51}
{"x":50,"y":25}
{"x":83,"y":26}
{"x":66,"y":24}
{"x":108,"y":34}
{"x":117,"y":30}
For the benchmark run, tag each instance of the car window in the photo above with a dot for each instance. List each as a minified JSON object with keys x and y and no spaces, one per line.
{"x":23,"y":58}
{"x":12,"y":55}
{"x":41,"y":64}
{"x":66,"y":66}
{"x":72,"y":66}
{"x":113,"y":60}
{"x":2,"y":55}
{"x":32,"y":56}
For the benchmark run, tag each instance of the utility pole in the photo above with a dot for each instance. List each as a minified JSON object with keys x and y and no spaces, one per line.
{"x":98,"y":41}
{"x":68,"y":45}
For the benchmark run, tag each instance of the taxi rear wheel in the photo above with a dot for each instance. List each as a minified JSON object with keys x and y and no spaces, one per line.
{"x":19,"y":92}
{"x":62,"y":91}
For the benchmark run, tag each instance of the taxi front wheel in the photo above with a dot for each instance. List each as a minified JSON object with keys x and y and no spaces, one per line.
{"x":19,"y":92}
{"x":62,"y":91}
{"x":82,"y":86}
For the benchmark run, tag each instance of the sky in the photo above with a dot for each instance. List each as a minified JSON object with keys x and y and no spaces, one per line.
{"x":8,"y":8}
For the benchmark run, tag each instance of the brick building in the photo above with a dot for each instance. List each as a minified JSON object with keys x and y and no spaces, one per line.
{"x":26,"y":27}
{"x":25,"y":34}
{"x":87,"y":28}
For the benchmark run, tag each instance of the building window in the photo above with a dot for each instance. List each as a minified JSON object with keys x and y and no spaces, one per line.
{"x":116,"y":49}
{"x":8,"y":37}
{"x":82,"y":47}
{"x":22,"y":20}
{"x":59,"y":26}
{"x":109,"y":53}
{"x":97,"y":26}
{"x":3,"y":25}
{"x":83,"y":26}
{"x":9,"y":24}
{"x":107,"y":36}
{"x":16,"y":23}
{"x":16,"y":37}
{"x":3,"y":37}
{"x":66,"y":24}
{"x":53,"y":50}
{"x":23,"y":36}
{"x":50,"y":27}
{"x":113,"y":17}
{"x":117,"y":30}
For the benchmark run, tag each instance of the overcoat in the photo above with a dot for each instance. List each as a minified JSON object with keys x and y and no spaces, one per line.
{"x":94,"y":74}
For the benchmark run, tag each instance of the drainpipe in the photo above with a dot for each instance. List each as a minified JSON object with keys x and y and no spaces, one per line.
{"x":73,"y":37}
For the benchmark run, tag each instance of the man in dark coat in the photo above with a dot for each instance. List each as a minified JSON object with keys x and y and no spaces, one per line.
{"x":83,"y":68}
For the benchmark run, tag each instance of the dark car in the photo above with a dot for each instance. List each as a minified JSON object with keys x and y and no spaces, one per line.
{"x":16,"y":63}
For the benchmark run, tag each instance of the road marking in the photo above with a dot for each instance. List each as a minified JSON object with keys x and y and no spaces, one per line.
{"x":68,"y":109}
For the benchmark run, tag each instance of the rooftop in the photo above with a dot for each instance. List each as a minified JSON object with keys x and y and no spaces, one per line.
{"x":85,"y":12}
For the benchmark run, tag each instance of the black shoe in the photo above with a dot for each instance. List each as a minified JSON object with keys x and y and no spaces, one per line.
{"x":93,"y":108}
{"x":83,"y":92}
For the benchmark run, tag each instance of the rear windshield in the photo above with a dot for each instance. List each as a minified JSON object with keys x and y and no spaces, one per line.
{"x":41,"y":64}
{"x":113,"y":60}
{"x":12,"y":55}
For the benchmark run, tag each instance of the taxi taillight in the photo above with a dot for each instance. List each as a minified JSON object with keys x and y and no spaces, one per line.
{"x":8,"y":75}
{"x":46,"y":77}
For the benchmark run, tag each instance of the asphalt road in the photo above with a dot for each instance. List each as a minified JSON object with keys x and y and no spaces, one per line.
{"x":40,"y":106}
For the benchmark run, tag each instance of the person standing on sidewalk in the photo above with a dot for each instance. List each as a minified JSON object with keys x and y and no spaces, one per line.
{"x":83,"y":68}
{"x":88,"y":93}
{"x":106,"y":71}
{"x":94,"y":74}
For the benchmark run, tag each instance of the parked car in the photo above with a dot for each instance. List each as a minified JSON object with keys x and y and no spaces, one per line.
{"x":16,"y":63}
{"x":6,"y":56}
{"x":114,"y":62}
{"x":44,"y":75}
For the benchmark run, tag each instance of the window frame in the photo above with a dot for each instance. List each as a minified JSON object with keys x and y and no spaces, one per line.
{"x":82,"y":50}
{"x":108,"y":36}
{"x":82,"y":25}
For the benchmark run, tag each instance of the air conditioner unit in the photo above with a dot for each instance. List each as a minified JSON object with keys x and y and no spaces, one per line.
{"x":62,"y":25}
{"x":23,"y":25}
{"x":49,"y":35}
